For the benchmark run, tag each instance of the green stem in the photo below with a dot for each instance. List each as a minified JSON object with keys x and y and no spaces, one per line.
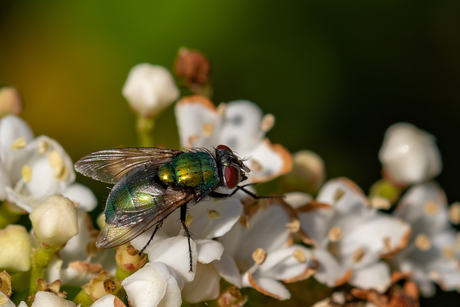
{"x":41,"y":258}
{"x":7,"y":217}
{"x":145,"y":128}
{"x":20,"y":280}
{"x":122,"y":274}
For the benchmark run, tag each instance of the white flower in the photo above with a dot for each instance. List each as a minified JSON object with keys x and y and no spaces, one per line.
{"x":156,"y":284}
{"x":207,"y":220}
{"x":349,"y":236}
{"x":109,"y":300}
{"x":48,"y":299}
{"x":55,"y":220}
{"x":409,"y":155}
{"x":149,"y":89}
{"x":259,"y":256}
{"x":16,"y":247}
{"x":432,"y":254}
{"x":241,"y":126}
{"x":32,"y":169}
{"x":80,"y":260}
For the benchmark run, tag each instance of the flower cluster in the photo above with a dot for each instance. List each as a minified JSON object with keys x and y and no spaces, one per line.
{"x":330,"y":231}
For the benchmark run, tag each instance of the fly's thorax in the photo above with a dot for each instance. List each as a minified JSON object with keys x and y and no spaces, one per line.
{"x":131,"y":195}
{"x":191,"y":170}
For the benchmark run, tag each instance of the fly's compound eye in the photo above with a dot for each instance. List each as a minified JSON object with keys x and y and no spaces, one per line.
{"x":223,"y":147}
{"x":231,"y":177}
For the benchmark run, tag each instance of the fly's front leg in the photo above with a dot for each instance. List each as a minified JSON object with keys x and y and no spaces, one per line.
{"x":183,"y":214}
{"x":151,"y":237}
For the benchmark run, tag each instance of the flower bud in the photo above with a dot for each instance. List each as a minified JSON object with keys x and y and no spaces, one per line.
{"x":409,"y":155}
{"x":5,"y":283}
{"x":101,"y":285}
{"x":149,"y":89}
{"x":49,"y":299}
{"x":55,"y":220}
{"x":307,"y":174}
{"x":16,"y":247}
{"x":193,"y":67}
{"x":128,"y":258}
{"x":10,"y":101}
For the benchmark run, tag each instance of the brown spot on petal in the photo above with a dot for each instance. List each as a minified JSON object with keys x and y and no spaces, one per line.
{"x":208,"y":129}
{"x":5,"y":283}
{"x":259,"y":256}
{"x":335,"y":233}
{"x":311,"y":269}
{"x":197,"y":99}
{"x":294,"y":226}
{"x":454,"y":213}
{"x":268,"y":121}
{"x":299,"y":256}
{"x":109,"y":286}
{"x":359,"y":254}
{"x":422,"y":242}
{"x":341,"y":280}
{"x":430,"y":208}
{"x":260,"y":289}
{"x":18,"y":143}
{"x":313,"y":206}
{"x":213,"y":214}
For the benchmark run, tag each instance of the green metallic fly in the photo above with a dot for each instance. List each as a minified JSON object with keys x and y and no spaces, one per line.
{"x":151,"y":183}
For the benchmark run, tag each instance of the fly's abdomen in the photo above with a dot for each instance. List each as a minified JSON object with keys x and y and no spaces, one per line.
{"x":191,"y":169}
{"x":129,"y":196}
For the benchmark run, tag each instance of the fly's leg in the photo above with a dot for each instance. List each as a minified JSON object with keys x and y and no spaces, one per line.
{"x":242,"y":188}
{"x":183,"y":214}
{"x":151,"y":237}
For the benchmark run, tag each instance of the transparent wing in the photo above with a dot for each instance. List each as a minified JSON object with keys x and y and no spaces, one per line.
{"x":132,"y":223}
{"x":110,"y":165}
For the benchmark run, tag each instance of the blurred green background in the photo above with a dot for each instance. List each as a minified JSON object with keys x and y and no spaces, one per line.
{"x":335,"y":74}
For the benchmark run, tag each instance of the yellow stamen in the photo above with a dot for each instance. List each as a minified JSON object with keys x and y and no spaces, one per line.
{"x":358,"y":255}
{"x":379,"y":202}
{"x":431,"y":208}
{"x":208,"y":129}
{"x":454,"y":213}
{"x":338,"y":194}
{"x":57,"y":164}
{"x":43,"y":146}
{"x":259,"y":255}
{"x":299,"y":256}
{"x":26,"y":173}
{"x":294,"y":226}
{"x":448,"y":252}
{"x":422,"y":242}
{"x":335,"y":233}
{"x":213,"y":214}
{"x":188,"y":220}
{"x":19,"y":143}
{"x":267,"y":122}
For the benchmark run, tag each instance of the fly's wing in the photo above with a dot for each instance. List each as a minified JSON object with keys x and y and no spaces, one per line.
{"x":110,"y":165}
{"x":129,"y":224}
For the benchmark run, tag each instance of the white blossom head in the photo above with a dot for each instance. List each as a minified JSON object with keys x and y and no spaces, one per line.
{"x":149,"y":89}
{"x":55,"y":220}
{"x":16,"y":246}
{"x":48,"y":299}
{"x":409,"y":155}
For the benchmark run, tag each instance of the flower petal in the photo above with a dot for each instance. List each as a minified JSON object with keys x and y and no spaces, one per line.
{"x":204,"y":287}
{"x":174,"y":253}
{"x":109,"y":300}
{"x":241,"y":130}
{"x":330,"y":271}
{"x":267,"y":286}
{"x":343,"y":194}
{"x":376,"y":276}
{"x":141,"y":241}
{"x":268,"y":161}
{"x":83,"y":196}
{"x":208,"y":250}
{"x":197,"y":120}
{"x":43,"y":298}
{"x":228,"y":269}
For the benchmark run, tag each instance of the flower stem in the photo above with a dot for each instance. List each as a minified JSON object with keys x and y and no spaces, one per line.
{"x":145,"y":128}
{"x":7,"y":217}
{"x":41,"y":258}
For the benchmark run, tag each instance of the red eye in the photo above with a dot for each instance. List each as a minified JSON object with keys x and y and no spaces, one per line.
{"x":232,"y":177}
{"x":223,"y":147}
